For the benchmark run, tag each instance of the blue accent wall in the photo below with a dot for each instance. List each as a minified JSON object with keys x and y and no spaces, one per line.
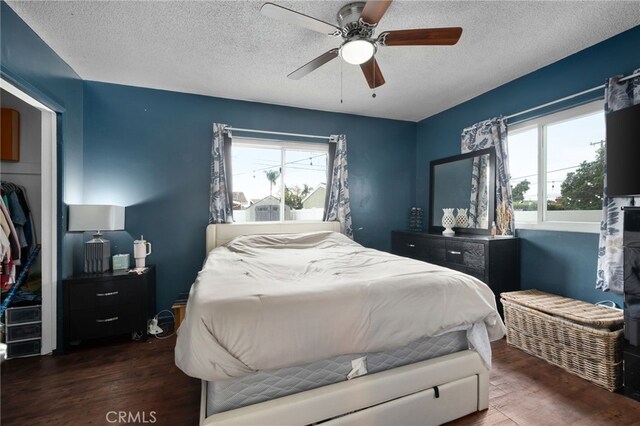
{"x":29,"y":64}
{"x":150,"y":150}
{"x":561,"y":262}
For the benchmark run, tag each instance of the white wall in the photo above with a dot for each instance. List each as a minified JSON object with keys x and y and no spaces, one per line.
{"x":27,"y":171}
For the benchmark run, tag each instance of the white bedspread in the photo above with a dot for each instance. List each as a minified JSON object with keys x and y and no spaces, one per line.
{"x":273,"y":301}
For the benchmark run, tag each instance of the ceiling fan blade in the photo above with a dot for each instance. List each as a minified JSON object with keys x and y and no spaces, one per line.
{"x":423,"y":37}
{"x":371,"y":69}
{"x":291,"y":16}
{"x":374,"y":10}
{"x":314,"y":64}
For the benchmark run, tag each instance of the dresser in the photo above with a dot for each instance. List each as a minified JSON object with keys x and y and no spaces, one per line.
{"x":108,"y":304}
{"x":495,"y":261}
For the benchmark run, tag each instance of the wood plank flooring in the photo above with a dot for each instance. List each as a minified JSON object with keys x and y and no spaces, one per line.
{"x":140,"y":377}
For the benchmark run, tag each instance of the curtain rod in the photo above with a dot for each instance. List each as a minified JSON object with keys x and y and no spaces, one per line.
{"x":268,"y":132}
{"x":566,"y":98}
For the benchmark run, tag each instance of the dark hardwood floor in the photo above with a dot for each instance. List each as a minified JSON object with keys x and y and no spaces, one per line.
{"x":82,"y":387}
{"x":525,"y":390}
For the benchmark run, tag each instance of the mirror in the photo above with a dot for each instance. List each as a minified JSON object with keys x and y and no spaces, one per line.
{"x":452,"y":181}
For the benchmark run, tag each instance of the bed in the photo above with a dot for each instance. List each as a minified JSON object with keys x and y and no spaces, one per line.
{"x":246,"y":340}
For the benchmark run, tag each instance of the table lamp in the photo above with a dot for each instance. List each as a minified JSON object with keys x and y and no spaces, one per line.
{"x":94,"y":217}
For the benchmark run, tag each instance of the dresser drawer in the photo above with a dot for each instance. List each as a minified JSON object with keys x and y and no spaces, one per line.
{"x":436,"y":250}
{"x":409,"y":245}
{"x":473,"y":255}
{"x":454,"y":250}
{"x":87,"y":295}
{"x":106,"y":321}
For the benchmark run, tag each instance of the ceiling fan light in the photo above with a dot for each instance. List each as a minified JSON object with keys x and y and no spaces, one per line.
{"x":357,"y":51}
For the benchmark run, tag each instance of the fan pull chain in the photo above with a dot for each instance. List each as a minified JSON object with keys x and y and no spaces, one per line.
{"x":373,"y":64}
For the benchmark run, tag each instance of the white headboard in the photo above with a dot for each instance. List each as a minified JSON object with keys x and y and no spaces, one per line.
{"x":219,"y":234}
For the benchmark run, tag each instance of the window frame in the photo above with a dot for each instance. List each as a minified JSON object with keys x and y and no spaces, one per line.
{"x":283,"y":146}
{"x":541,"y":123}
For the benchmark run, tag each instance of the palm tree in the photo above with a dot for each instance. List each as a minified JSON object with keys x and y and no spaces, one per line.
{"x":272,"y":176}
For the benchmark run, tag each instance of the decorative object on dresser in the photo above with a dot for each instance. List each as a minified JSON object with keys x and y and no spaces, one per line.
{"x":463,"y":180}
{"x":108,"y":304}
{"x":415,"y":219}
{"x":582,"y":338}
{"x":121,"y":261}
{"x":462,"y":220}
{"x":448,"y":222}
{"x":95,"y":217}
{"x":494,"y":261}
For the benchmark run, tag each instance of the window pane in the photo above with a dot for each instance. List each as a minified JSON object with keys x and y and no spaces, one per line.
{"x":305,"y":177}
{"x":256,"y":184}
{"x":575,"y":168}
{"x":523,"y":166}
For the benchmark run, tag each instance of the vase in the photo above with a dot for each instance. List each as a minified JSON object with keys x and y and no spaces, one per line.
{"x":448,"y":222}
{"x":462,"y":220}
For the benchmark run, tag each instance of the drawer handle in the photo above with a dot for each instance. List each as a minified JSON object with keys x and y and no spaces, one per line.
{"x":454,"y":252}
{"x":111,"y":293}
{"x":411,"y":245}
{"x":107,"y":319}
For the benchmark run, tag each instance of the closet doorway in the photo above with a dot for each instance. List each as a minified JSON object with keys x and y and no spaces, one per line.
{"x":37,"y":174}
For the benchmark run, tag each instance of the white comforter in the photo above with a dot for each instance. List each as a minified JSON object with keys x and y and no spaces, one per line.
{"x":274,"y":301}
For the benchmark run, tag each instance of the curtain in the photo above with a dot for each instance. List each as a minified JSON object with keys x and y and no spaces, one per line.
{"x":221,"y":195}
{"x":486,"y":134}
{"x":610,"y":252}
{"x":337,"y":203}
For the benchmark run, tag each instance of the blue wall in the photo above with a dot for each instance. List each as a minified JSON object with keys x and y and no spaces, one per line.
{"x":561,"y":262}
{"x":31,"y":65}
{"x":150,"y":150}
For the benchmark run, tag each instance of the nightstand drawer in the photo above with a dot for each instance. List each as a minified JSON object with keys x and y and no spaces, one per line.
{"x":86,"y":295}
{"x":106,"y":321}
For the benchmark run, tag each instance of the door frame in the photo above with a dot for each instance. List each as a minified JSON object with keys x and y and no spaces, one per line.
{"x":49,"y":237}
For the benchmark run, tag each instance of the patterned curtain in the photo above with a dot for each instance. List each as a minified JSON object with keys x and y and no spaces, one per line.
{"x":221,"y":196}
{"x":337,"y":207}
{"x":610,"y":252}
{"x":486,"y":134}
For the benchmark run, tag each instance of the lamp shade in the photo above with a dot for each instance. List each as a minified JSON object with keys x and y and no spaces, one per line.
{"x":95,"y":217}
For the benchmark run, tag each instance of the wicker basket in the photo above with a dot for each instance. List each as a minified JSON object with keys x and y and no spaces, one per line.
{"x":586,"y":349}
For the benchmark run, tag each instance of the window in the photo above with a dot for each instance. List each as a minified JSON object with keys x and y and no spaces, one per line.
{"x":278,"y":181}
{"x":557,"y":169}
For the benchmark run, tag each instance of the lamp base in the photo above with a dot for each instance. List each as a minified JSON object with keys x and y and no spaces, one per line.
{"x":97,"y":253}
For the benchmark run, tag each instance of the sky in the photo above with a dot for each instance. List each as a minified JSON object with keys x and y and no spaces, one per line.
{"x":569,"y":143}
{"x":251,"y":163}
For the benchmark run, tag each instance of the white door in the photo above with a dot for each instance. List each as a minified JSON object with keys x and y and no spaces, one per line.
{"x":48,"y":239}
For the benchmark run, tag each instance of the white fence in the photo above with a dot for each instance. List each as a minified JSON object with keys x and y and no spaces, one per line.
{"x":240,"y":216}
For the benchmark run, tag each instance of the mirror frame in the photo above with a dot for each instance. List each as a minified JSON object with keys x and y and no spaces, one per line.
{"x":435,"y":229}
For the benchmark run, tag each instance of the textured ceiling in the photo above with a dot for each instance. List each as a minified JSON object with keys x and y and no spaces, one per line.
{"x":228,"y":49}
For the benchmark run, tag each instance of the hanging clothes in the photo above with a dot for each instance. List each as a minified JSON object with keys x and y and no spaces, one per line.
{"x":18,"y":230}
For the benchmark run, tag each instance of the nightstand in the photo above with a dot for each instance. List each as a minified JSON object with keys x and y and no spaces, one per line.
{"x":108,"y":304}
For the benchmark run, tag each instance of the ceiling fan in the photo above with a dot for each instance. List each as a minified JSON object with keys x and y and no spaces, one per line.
{"x":356,"y":25}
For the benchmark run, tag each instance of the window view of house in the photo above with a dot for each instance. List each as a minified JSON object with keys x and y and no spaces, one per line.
{"x":278,"y":182}
{"x":569,"y":175}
